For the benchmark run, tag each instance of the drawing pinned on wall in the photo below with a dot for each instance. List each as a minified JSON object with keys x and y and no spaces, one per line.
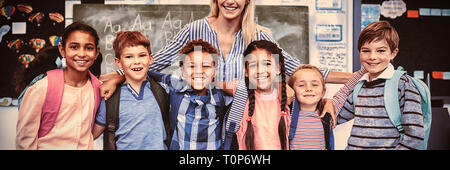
{"x":413,"y":14}
{"x":24,"y":8}
{"x":37,"y":44}
{"x":3,"y":31}
{"x":26,"y":59}
{"x":369,"y":13}
{"x":19,"y":28}
{"x":328,"y":4}
{"x":37,"y":17}
{"x":446,"y":12}
{"x":446,"y":75}
{"x":15,"y":45}
{"x":424,"y":11}
{"x":435,"y":12}
{"x":393,"y":8}
{"x":7,"y":11}
{"x":328,"y":32}
{"x":419,"y":74}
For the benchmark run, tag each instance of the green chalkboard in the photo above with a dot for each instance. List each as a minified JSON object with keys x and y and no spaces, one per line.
{"x":289,"y":24}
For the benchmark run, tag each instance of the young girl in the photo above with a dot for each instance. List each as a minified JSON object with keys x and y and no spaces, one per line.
{"x":307,"y":130}
{"x":58,"y":111}
{"x":265,"y":121}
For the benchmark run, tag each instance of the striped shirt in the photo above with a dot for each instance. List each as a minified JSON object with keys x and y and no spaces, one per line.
{"x":340,"y":96}
{"x":230,"y":66}
{"x":309,"y":134}
{"x":372,"y":128}
{"x":194,"y":120}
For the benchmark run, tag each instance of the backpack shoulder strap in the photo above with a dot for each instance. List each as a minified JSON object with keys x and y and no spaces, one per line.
{"x":95,"y":85}
{"x":425,"y":104}
{"x":234,"y":114}
{"x":391,"y":99}
{"x":294,"y":118}
{"x":164,"y":105}
{"x":20,"y":98}
{"x":356,"y":90}
{"x":52,"y":102}
{"x":112,"y":120}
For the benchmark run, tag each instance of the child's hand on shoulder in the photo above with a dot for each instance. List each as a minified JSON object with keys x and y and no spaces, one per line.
{"x":329,"y":107}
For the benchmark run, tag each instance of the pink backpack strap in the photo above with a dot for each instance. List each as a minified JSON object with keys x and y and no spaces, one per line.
{"x":53,"y":99}
{"x":96,"y":86}
{"x":52,"y":102}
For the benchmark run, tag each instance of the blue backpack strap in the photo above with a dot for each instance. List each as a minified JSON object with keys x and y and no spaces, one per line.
{"x":37,"y":78}
{"x":391,"y":100}
{"x":331,"y":139}
{"x":425,"y":104}
{"x":356,"y":90}
{"x":294,"y":118}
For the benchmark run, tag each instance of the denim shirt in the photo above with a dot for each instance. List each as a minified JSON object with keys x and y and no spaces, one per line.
{"x":194,"y":120}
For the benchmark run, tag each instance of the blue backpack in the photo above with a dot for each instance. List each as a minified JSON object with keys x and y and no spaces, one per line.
{"x":328,"y":131}
{"x":392,"y":104}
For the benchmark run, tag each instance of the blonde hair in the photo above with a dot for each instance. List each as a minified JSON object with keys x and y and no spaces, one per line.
{"x":248,"y":25}
{"x":306,"y":67}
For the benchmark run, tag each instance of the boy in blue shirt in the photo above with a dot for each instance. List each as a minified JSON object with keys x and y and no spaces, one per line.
{"x":197,"y":106}
{"x":140,"y":122}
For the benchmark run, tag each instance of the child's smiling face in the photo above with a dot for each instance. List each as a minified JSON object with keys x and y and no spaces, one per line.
{"x":80,"y":51}
{"x":134,"y":60}
{"x":308,"y":87}
{"x":375,"y":57}
{"x":261,"y":70}
{"x":198,"y":70}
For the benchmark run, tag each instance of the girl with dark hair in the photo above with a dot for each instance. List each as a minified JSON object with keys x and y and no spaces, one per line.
{"x":47,"y":118}
{"x":47,"y":59}
{"x":265,"y":121}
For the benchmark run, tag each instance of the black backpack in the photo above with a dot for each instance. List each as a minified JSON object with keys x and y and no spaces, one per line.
{"x":112,"y":114}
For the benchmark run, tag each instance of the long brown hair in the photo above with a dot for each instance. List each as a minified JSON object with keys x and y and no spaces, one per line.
{"x":282,"y":131}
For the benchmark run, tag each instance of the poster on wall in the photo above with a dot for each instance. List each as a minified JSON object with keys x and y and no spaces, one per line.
{"x":331,"y":29}
{"x":330,"y":32}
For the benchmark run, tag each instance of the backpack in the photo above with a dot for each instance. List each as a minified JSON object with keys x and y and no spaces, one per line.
{"x":112,"y":114}
{"x":53,"y":98}
{"x":329,"y":137}
{"x":392,"y":104}
{"x":233,"y":117}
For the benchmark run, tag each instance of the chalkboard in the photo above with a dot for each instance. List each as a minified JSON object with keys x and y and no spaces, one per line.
{"x":289,"y":25}
{"x":424,"y":41}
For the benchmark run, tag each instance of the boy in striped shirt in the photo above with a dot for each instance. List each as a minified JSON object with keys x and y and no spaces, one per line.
{"x":197,"y":107}
{"x":372,"y":128}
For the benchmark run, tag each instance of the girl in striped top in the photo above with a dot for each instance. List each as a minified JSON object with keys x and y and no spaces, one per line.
{"x":309,"y":86}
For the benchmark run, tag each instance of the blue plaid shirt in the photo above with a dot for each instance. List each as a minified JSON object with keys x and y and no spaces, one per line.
{"x":194,"y":120}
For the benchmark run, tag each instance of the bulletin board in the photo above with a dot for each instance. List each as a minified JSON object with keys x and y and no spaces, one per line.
{"x":423,"y":28}
{"x":24,"y":26}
